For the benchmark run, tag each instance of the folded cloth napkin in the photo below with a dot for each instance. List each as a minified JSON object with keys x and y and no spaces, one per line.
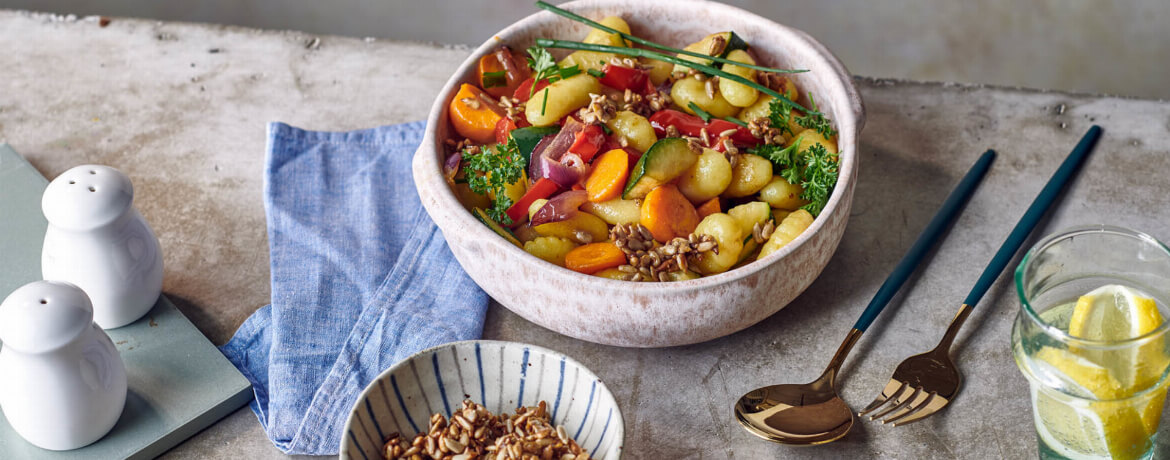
{"x":361,"y":278}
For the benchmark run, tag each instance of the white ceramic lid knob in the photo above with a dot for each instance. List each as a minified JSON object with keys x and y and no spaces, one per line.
{"x":44,"y":315}
{"x":87,"y":197}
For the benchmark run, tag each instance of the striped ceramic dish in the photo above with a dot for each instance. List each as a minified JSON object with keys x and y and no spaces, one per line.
{"x":500,"y":375}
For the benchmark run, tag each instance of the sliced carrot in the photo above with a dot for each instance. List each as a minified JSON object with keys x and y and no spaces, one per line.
{"x":594,"y":257}
{"x":610,"y":171}
{"x":668,"y":214}
{"x":489,"y":64}
{"x":473,"y":115}
{"x":710,"y":207}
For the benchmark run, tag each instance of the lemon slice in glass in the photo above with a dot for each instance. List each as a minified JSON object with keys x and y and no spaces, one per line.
{"x":1071,"y":425}
{"x":1114,"y":313}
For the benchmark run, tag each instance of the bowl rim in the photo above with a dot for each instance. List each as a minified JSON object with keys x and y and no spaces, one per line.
{"x":620,"y":426}
{"x":451,"y":210}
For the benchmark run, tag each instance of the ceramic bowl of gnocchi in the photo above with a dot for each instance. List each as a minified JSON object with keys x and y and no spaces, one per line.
{"x":643,"y":174}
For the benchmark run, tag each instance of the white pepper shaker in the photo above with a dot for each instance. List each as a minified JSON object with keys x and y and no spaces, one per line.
{"x":63,"y":384}
{"x":99,"y":242}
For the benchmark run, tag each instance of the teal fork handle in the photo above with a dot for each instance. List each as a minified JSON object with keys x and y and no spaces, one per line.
{"x":945,"y":215}
{"x":1032,"y":216}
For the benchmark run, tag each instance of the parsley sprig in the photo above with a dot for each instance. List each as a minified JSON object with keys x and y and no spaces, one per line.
{"x":814,"y":169}
{"x":780,"y":113}
{"x":490,"y":171}
{"x":546,"y":68}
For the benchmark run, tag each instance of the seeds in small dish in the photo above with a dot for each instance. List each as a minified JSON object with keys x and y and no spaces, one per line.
{"x":473,"y":432}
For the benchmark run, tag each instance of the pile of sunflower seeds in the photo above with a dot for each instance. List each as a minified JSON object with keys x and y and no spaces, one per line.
{"x":772,"y":81}
{"x":475,"y":433}
{"x":600,"y":110}
{"x":513,"y":108}
{"x":762,"y":129}
{"x":649,"y":261}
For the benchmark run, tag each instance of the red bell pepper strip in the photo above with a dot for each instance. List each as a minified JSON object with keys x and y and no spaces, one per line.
{"x":525,"y":91}
{"x":623,"y":78}
{"x":543,"y":188}
{"x":686,"y":124}
{"x":742,"y":136}
{"x":690,"y":125}
{"x":503,"y":127}
{"x":588,"y":142}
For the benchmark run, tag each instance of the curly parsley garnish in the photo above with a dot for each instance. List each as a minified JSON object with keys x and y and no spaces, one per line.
{"x":490,"y":171}
{"x":814,"y":169}
{"x":780,"y":113}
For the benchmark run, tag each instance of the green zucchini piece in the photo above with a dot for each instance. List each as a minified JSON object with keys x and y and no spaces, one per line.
{"x":665,"y":160}
{"x":734,"y":42}
{"x":503,"y":232}
{"x":527,"y":138}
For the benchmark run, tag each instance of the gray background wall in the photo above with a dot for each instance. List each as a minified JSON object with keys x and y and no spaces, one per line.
{"x":1100,"y":46}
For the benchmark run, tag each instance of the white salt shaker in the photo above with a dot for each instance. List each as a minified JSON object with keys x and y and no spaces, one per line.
{"x":62,"y":382}
{"x":99,"y":242}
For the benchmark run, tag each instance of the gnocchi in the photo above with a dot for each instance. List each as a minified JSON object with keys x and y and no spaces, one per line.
{"x":739,"y":94}
{"x":750,"y":174}
{"x":728,"y":235}
{"x":560,"y":98}
{"x":692,"y":90}
{"x":683,"y":152}
{"x":707,"y":178}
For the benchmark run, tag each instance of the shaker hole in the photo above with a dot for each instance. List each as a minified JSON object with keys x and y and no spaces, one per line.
{"x":72,"y":182}
{"x":92,"y":172}
{"x":92,"y":189}
{"x":44,"y":301}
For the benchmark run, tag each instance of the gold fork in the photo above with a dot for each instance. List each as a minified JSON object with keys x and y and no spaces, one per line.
{"x":924,"y":384}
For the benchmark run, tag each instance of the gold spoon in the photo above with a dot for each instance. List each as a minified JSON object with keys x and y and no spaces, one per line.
{"x":813,"y":413}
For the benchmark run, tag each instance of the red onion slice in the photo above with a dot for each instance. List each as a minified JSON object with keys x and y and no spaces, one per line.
{"x":560,"y":207}
{"x":552,"y":160}
{"x":568,"y":171}
{"x":451,"y":166}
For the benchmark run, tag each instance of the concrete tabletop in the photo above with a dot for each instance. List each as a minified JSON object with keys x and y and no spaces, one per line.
{"x":182,"y":109}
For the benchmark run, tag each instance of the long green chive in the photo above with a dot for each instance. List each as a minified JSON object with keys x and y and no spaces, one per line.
{"x":639,"y":52}
{"x":699,"y":111}
{"x":735,"y":120}
{"x":642,"y":41}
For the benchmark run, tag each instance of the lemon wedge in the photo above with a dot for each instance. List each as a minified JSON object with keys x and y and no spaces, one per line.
{"x":1115,"y":428}
{"x":1112,"y":313}
{"x":1115,"y":313}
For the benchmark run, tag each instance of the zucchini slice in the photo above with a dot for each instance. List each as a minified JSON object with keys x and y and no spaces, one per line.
{"x":527,"y":138}
{"x":665,"y":160}
{"x":503,"y":232}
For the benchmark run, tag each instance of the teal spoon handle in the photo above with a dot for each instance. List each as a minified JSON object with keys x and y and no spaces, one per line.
{"x":945,"y":215}
{"x":1032,"y":216}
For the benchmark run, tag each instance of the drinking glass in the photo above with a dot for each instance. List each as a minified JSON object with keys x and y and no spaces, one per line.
{"x":1094,"y":398}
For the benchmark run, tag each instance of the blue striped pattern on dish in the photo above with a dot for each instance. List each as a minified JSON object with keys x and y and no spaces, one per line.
{"x":500,"y":375}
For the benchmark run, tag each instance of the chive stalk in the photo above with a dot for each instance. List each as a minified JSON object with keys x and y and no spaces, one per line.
{"x":639,"y":52}
{"x":642,"y":41}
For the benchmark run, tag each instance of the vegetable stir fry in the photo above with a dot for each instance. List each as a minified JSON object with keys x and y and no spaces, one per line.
{"x":631,"y":160}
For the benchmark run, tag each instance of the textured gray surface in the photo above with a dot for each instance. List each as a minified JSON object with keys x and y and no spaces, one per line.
{"x":187,"y":125}
{"x":1086,"y":46}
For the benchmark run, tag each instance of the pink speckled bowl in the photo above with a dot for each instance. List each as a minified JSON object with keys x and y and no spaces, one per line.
{"x":650,"y":314}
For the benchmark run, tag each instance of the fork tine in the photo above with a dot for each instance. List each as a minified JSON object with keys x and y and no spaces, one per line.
{"x":905,"y":397}
{"x":919,"y":403}
{"x":934,"y":405}
{"x":893,"y":387}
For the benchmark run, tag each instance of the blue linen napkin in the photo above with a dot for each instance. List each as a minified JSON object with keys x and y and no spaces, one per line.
{"x":361,"y":278}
